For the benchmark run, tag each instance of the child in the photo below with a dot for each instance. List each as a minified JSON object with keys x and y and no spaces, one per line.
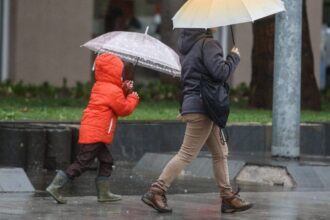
{"x":110,"y":98}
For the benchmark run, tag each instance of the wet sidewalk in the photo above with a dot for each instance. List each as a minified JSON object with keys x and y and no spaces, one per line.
{"x":191,"y":198}
{"x":268,"y":205}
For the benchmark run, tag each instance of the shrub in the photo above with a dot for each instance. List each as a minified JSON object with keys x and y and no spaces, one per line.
{"x":158,"y":91}
{"x":45,"y":90}
{"x":240,"y":94}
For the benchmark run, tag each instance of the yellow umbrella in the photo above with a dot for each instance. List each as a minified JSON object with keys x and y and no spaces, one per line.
{"x":217,"y":13}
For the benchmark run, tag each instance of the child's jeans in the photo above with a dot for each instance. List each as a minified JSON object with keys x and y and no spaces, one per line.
{"x":85,"y":158}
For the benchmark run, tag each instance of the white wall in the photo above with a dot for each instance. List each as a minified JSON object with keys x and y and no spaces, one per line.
{"x":46,"y":37}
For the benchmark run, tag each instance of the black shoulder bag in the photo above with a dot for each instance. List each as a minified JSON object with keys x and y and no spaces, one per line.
{"x":215,"y":96}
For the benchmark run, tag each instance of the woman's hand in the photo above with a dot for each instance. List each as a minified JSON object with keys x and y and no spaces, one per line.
{"x":236,"y":51}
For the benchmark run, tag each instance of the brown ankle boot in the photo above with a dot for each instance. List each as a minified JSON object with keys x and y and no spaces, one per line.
{"x":233,"y":203}
{"x":156,"y":198}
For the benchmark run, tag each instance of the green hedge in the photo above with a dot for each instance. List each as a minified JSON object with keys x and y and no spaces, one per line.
{"x":154,"y":91}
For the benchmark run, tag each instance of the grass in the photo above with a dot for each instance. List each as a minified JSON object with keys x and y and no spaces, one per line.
{"x":37,"y":109}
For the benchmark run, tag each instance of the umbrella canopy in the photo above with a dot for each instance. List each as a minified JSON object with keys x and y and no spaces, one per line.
{"x":138,"y":48}
{"x":217,"y":13}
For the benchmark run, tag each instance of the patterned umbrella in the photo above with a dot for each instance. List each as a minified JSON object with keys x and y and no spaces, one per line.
{"x":139,"y":49}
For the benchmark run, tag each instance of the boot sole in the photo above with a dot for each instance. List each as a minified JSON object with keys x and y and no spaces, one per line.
{"x":55,"y":198}
{"x":232,"y":210}
{"x":149,"y":203}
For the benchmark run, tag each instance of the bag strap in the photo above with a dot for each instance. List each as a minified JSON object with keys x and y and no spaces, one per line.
{"x":207,"y":74}
{"x":203,"y":53}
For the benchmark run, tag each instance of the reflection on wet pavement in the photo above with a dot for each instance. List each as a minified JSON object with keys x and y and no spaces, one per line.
{"x":268,"y":205}
{"x":191,"y":199}
{"x":124,"y":181}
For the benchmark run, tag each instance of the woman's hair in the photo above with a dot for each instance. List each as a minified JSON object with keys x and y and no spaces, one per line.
{"x":209,"y":31}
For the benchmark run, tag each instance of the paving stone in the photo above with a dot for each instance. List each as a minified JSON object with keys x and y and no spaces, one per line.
{"x":14,"y":180}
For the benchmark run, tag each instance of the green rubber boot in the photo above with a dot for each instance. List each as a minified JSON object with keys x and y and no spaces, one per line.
{"x":103,"y":190}
{"x":54,"y":189}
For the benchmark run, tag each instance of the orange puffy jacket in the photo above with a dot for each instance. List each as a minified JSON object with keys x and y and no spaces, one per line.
{"x":106,"y":103}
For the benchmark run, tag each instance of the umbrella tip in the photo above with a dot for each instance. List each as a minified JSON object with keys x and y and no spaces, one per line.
{"x":147,"y":29}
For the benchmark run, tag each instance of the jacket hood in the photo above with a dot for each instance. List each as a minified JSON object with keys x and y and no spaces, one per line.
{"x":109,"y":68}
{"x":188,"y":38}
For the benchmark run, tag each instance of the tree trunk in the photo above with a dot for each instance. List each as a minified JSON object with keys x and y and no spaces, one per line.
{"x":261,"y":95}
{"x":168,"y":10}
{"x":168,"y":35}
{"x":310,"y":94}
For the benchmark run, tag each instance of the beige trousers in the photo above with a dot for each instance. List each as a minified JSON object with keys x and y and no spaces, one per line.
{"x":200,"y":130}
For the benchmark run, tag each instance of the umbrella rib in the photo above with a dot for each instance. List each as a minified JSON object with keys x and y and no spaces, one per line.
{"x":247,"y":9}
{"x":210,"y":9}
{"x":116,"y":50}
{"x":147,"y":63}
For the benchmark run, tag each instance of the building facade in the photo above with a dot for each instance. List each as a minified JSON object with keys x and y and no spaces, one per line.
{"x":40,"y":39}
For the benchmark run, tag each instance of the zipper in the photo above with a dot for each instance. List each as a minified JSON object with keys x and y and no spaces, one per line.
{"x":110,"y":126}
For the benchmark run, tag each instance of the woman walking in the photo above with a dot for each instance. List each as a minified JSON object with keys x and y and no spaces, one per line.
{"x":199,"y":54}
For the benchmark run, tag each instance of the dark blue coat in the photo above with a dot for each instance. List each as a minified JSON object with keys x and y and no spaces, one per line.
{"x":196,"y":62}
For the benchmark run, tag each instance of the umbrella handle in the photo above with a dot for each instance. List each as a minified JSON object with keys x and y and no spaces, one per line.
{"x":137,"y":60}
{"x":232,"y":35}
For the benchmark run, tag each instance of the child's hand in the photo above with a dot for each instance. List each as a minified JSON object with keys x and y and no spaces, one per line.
{"x":127,"y":87}
{"x":136,"y":94}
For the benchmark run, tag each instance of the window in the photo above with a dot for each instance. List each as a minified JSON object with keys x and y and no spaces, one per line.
{"x":126,"y":15}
